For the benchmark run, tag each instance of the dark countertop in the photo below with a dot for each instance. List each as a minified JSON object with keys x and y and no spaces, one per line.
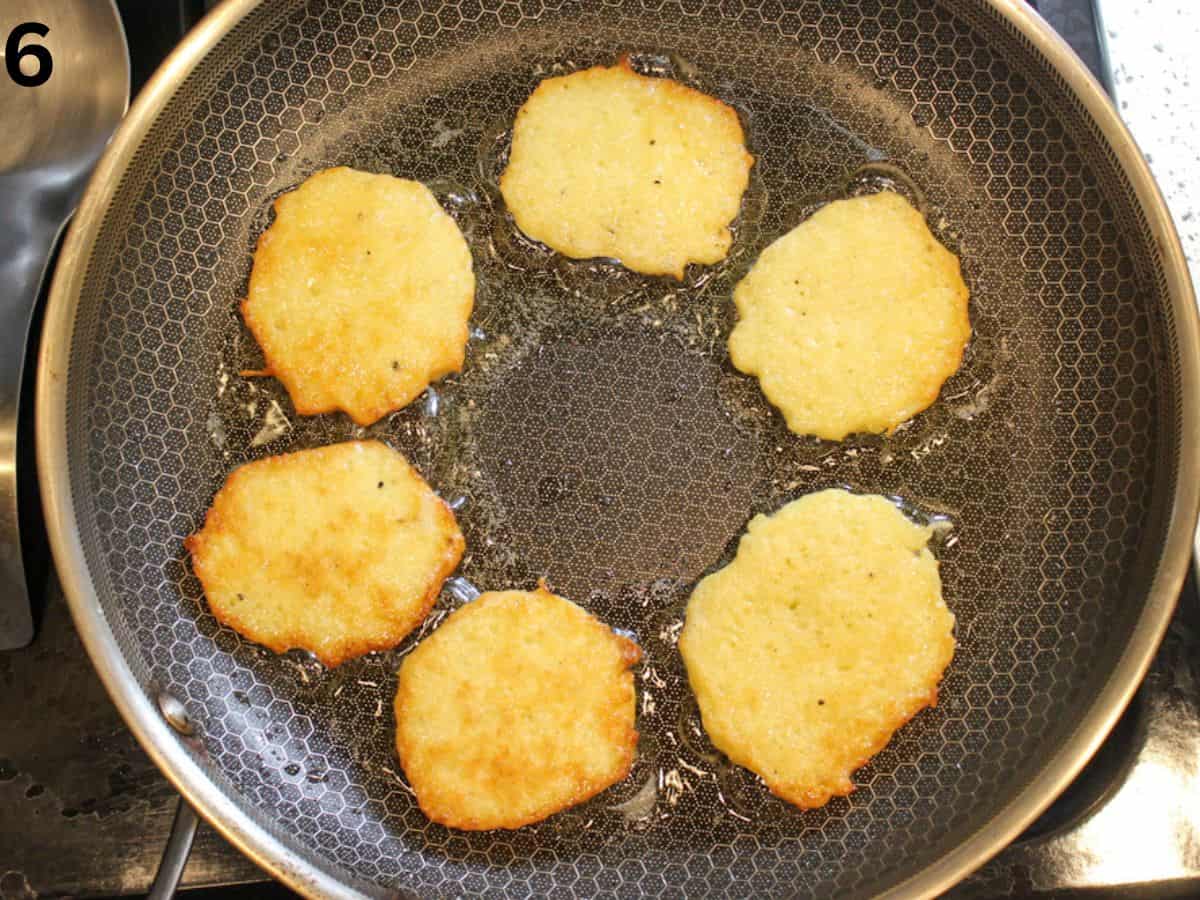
{"x":83,"y":811}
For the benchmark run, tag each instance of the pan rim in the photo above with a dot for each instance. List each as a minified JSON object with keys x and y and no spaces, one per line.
{"x":253,"y":839}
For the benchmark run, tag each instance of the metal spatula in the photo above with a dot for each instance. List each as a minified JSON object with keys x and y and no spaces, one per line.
{"x":64,"y":85}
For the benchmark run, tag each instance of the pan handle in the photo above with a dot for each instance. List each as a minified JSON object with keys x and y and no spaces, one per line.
{"x":175,"y":856}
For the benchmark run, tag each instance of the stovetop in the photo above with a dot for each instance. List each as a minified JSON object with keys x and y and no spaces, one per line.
{"x":83,"y":812}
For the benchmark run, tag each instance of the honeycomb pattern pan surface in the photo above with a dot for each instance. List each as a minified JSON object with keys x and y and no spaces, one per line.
{"x":599,"y":436}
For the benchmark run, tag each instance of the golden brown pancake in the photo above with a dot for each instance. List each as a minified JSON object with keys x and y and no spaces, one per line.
{"x":825,"y":634}
{"x":854,"y":319}
{"x":519,"y":705}
{"x":360,"y":293}
{"x":339,"y":550}
{"x":609,"y":163}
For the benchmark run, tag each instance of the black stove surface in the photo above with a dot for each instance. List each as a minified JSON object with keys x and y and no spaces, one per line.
{"x":83,"y":811}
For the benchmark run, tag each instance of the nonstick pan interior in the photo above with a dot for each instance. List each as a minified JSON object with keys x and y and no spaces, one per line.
{"x":599,"y":436}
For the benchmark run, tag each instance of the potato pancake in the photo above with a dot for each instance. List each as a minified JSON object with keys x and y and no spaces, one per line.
{"x":609,"y":163}
{"x":339,"y":550}
{"x":360,"y":293}
{"x":825,"y":634}
{"x":853,"y":320}
{"x":519,"y":705}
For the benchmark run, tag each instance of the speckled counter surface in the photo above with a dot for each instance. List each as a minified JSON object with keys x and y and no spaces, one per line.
{"x":1152,"y":52}
{"x":83,"y":811}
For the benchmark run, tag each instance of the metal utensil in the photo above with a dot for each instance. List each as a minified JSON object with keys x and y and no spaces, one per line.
{"x":53,"y":134}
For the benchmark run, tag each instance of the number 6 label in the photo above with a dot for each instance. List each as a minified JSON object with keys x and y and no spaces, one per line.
{"x":35,"y":72}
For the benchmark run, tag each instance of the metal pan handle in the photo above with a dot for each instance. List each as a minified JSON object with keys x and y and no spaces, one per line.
{"x":175,"y":855}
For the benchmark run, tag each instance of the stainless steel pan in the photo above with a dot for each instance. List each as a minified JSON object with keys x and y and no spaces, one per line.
{"x":599,"y":436}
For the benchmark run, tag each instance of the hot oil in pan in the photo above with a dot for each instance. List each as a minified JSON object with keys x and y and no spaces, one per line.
{"x":599,"y":437}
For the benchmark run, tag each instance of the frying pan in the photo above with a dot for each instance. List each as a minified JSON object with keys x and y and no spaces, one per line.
{"x":599,"y":436}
